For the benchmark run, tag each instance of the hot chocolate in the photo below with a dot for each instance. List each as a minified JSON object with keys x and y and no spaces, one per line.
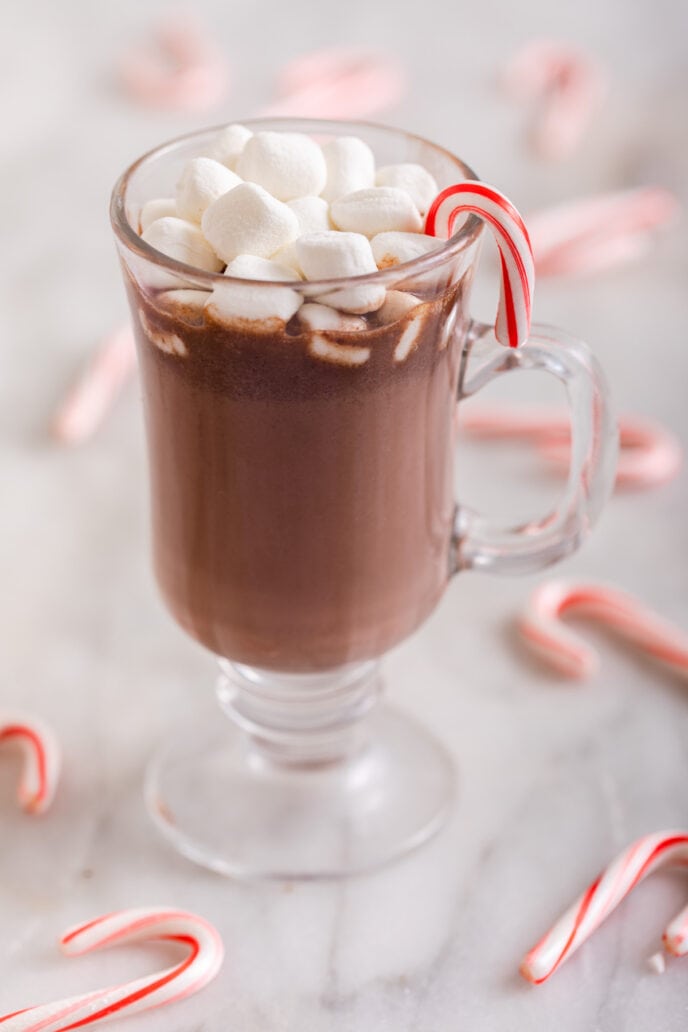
{"x":302,"y":507}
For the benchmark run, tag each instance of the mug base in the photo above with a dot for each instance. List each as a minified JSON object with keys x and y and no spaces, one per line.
{"x":228,"y":806}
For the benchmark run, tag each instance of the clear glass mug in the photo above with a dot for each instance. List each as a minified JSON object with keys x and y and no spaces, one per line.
{"x":305,"y":522}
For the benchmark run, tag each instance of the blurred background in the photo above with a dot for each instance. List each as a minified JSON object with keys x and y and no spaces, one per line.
{"x":86,"y":641}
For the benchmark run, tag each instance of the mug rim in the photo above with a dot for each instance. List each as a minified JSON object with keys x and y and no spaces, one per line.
{"x":130,"y":238}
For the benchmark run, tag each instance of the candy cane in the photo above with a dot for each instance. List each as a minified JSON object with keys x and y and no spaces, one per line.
{"x":338,"y":82}
{"x":541,"y":628}
{"x":675,"y":936}
{"x":598,"y":901}
{"x":97,"y":387}
{"x":566,"y":87}
{"x":205,"y":955}
{"x":649,"y":454}
{"x":518,"y":273}
{"x":181,"y":70}
{"x":41,"y":769}
{"x":597,"y":232}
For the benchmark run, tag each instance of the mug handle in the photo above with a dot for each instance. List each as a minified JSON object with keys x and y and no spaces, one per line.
{"x":478,"y":543}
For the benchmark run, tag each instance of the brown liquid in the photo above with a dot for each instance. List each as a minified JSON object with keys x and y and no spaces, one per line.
{"x":302,"y":510}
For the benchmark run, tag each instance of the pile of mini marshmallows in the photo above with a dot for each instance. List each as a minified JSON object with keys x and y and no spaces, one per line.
{"x":276,"y":206}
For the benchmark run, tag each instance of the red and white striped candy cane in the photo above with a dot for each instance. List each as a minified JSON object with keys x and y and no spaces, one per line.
{"x":564,"y":84}
{"x":518,"y":271}
{"x":598,"y":901}
{"x":203,"y":961}
{"x":41,"y":751}
{"x":675,"y":936}
{"x":593,"y":233}
{"x":649,"y":454}
{"x":542,"y":630}
{"x":338,"y":82}
{"x":98,"y":385}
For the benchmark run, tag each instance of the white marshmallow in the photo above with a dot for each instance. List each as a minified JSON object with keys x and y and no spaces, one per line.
{"x":189,"y":298}
{"x":287,"y":256}
{"x":350,"y":166}
{"x":339,"y":354}
{"x":233,"y":300}
{"x":322,"y":317}
{"x":202,"y":182}
{"x":168,"y":342}
{"x":398,"y":303}
{"x":376,"y":210}
{"x":411,"y":335}
{"x":313,"y":214}
{"x":186,"y":305}
{"x":394,"y":248}
{"x":421,"y":187}
{"x":158,"y":208}
{"x":247,"y":266}
{"x":182,"y":241}
{"x":248,"y":220}
{"x":229,"y":143}
{"x":333,"y":255}
{"x":289,"y":165}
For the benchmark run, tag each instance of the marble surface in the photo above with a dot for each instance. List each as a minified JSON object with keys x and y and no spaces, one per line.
{"x":554,"y":778}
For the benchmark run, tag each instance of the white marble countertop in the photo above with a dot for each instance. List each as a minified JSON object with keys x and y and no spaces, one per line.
{"x":554,"y":778}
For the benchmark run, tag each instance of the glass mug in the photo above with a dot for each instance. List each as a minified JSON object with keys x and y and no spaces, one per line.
{"x":305,"y":522}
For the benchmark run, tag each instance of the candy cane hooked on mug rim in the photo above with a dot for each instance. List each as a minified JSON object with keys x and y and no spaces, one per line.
{"x":542,"y":630}
{"x":205,"y":956}
{"x":41,"y":754}
{"x":572,"y":929}
{"x":516,"y":255}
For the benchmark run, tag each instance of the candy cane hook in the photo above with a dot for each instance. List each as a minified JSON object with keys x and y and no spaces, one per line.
{"x":542,"y":630}
{"x":518,"y":270}
{"x":203,"y":961}
{"x":602,"y":897}
{"x":41,"y":759}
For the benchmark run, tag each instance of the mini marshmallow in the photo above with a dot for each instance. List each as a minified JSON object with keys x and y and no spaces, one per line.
{"x":248,"y":220}
{"x":421,"y":187}
{"x":394,"y":248}
{"x":229,"y":144}
{"x":186,"y":305}
{"x":288,"y":165}
{"x":202,"y":182}
{"x":398,"y":303}
{"x":377,"y":209}
{"x":410,"y":336}
{"x":287,"y":256}
{"x":158,"y":208}
{"x":339,"y":354}
{"x":333,"y":255}
{"x":322,"y":317}
{"x":182,"y":241}
{"x":313,"y":214}
{"x":168,"y":342}
{"x":350,"y":167}
{"x":234,"y":300}
{"x":247,"y":266}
